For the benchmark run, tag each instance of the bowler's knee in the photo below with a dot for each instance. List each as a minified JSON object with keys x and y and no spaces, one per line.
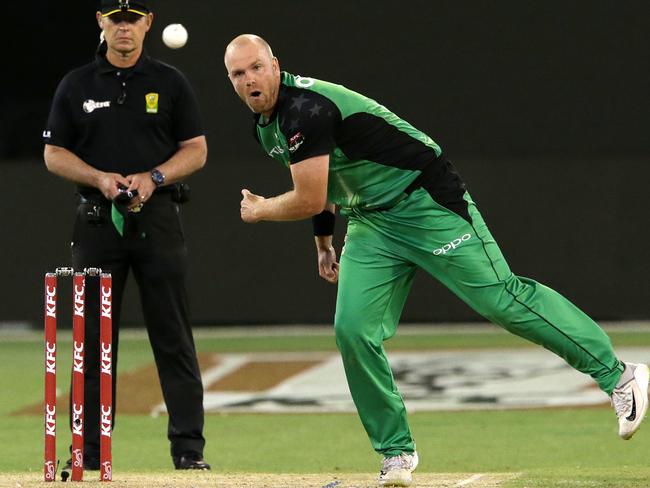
{"x":354,"y":336}
{"x":503,"y":304}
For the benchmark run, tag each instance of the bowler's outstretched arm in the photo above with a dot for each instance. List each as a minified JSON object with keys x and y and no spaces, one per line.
{"x":308,"y":197}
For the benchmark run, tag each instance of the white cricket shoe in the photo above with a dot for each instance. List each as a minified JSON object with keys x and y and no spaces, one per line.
{"x":630,"y":400}
{"x":396,"y":470}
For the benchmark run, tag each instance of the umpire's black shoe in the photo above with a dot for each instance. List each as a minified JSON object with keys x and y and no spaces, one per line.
{"x":190,"y":460}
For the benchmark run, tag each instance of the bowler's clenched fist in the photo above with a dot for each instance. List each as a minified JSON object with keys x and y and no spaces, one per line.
{"x":249,"y":206}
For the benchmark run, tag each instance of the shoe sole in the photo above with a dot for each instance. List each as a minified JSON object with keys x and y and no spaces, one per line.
{"x":398,"y":482}
{"x":642,"y":377}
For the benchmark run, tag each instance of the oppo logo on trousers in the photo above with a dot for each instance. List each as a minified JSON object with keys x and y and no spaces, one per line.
{"x":452,"y":245}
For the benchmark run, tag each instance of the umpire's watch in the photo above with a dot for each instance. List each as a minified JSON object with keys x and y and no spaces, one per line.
{"x":157,"y":177}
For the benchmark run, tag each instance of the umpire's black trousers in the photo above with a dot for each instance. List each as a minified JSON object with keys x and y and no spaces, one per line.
{"x":153,"y":247}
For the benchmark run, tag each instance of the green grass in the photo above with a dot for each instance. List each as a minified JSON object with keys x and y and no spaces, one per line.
{"x":551,"y":448}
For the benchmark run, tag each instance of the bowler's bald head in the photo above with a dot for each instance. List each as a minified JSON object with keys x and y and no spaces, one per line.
{"x":245,"y":41}
{"x":254,"y":72}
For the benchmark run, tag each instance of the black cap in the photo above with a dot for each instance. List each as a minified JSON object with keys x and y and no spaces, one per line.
{"x":110,"y":7}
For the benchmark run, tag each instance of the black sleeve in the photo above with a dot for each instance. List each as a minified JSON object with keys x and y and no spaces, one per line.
{"x":186,"y":117}
{"x":309,"y":125}
{"x":60,"y":129}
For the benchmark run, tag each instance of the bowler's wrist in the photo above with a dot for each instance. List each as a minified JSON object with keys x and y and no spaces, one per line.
{"x":323,"y":243}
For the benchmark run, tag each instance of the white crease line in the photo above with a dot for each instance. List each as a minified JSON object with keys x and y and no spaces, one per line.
{"x":469,"y":480}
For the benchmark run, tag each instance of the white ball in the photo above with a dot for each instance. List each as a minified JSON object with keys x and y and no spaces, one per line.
{"x":174,"y":36}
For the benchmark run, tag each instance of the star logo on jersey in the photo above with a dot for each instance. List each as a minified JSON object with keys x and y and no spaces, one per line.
{"x":295,"y":142}
{"x":315,"y":110}
{"x":298,"y":102}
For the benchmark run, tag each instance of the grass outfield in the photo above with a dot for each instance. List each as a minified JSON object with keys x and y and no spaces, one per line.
{"x":524,"y":448}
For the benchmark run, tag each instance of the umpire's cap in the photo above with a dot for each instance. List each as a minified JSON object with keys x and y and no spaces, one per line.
{"x":110,"y":7}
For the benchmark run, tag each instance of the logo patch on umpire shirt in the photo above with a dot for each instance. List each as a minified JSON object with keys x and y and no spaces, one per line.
{"x":152,"y":103}
{"x":296,"y":141}
{"x":90,"y":106}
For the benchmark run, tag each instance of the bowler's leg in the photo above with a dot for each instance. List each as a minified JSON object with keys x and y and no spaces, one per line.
{"x":373,"y":285}
{"x":476,"y":271}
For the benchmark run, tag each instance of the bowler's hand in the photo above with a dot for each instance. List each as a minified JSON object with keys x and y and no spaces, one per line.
{"x":249,"y":206}
{"x":328,"y":268}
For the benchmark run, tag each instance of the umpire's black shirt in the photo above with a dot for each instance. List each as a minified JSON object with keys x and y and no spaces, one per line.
{"x":123,"y":120}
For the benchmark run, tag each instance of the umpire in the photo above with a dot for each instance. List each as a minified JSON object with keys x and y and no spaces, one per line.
{"x":126,"y":129}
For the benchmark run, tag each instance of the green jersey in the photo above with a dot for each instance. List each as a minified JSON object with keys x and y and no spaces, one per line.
{"x":375,"y":157}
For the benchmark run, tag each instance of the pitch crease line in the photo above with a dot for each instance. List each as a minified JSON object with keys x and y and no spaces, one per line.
{"x":469,"y":480}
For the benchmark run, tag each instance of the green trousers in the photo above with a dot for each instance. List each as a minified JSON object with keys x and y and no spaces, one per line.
{"x":383,"y":250}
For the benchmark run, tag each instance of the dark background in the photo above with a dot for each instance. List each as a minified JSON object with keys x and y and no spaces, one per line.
{"x":542,"y":106}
